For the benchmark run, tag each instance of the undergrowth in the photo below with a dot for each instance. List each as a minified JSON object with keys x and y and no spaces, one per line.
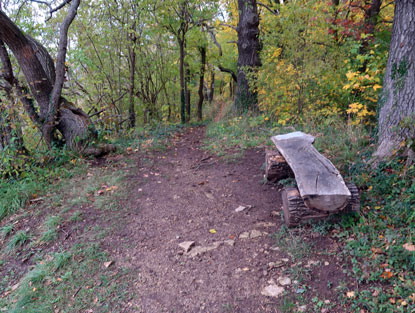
{"x":28,"y":179}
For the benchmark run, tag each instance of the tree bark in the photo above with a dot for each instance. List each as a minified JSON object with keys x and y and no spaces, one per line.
{"x":397,"y":104}
{"x":182,"y":82}
{"x":9,"y":136}
{"x":186,"y":88}
{"x":212,"y":86}
{"x":201,"y":82}
{"x":248,"y":54}
{"x":54,"y":112}
{"x":131,"y":108}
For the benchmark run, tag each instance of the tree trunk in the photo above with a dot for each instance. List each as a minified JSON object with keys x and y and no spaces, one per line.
{"x":212,"y":86}
{"x":187,"y":90}
{"x":55,"y":113}
{"x":38,"y":68}
{"x":201,"y":82}
{"x":248,"y":53}
{"x":131,"y":108}
{"x":182,"y":82}
{"x":9,"y":136}
{"x":397,"y":105}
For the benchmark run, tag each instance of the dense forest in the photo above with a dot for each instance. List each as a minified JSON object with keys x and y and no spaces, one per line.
{"x":81,"y":80}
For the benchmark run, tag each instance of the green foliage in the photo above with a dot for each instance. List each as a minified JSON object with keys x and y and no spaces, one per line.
{"x":18,"y":239}
{"x":44,"y":168}
{"x":7,"y":230}
{"x":51,"y":224}
{"x":239,"y":133}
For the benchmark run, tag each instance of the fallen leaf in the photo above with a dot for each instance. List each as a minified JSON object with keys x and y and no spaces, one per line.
{"x":392,"y":300}
{"x":350,"y":294}
{"x":212,"y":231}
{"x":409,"y":247}
{"x":386,"y":274}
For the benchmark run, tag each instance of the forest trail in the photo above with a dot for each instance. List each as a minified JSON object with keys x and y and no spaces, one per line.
{"x":185,"y":194}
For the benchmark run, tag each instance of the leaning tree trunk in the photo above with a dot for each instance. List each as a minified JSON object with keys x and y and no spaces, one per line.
{"x":45,"y":83}
{"x":396,"y":117}
{"x":248,"y":53}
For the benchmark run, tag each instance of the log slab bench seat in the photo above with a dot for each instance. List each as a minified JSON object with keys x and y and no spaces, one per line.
{"x":321,"y":190}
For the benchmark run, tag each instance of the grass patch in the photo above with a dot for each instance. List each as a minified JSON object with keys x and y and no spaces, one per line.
{"x":237,"y":133}
{"x":51,"y":228}
{"x":293,"y":242}
{"x":7,"y":230}
{"x":18,"y":240}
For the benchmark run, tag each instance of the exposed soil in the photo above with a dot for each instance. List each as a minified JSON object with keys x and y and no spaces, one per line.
{"x":186,"y":194}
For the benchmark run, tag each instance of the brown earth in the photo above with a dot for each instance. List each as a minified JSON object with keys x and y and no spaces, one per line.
{"x":186,"y":194}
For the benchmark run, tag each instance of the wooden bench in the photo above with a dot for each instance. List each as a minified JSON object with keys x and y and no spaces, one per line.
{"x":321,"y":190}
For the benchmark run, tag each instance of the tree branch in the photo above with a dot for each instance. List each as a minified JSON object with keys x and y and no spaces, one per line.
{"x":227,"y":70}
{"x":273,"y":11}
{"x":60,"y":62}
{"x":227,"y":25}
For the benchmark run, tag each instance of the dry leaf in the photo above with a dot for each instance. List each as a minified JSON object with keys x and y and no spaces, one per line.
{"x":409,"y":247}
{"x":350,"y":294}
{"x":386,"y":274}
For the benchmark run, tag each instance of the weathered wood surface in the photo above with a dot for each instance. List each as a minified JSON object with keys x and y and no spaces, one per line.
{"x":320,"y":184}
{"x":276,"y":168}
{"x":296,"y":212}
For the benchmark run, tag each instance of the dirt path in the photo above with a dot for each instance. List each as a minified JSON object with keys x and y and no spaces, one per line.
{"x":182,"y":194}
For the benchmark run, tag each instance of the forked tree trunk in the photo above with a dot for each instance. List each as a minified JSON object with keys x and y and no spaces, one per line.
{"x":54,"y":112}
{"x":397,"y":105}
{"x":248,"y":53}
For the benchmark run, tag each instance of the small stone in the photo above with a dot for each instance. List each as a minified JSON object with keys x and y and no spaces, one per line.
{"x":302,"y":308}
{"x":311,"y":263}
{"x":229,"y":242}
{"x":265,"y":224}
{"x":285,"y":260}
{"x":244,"y":235}
{"x":240,"y":208}
{"x":275,"y":248}
{"x":186,"y":245}
{"x":327,"y":301}
{"x":284,"y":281}
{"x":326,"y":263}
{"x":272,"y":291}
{"x":255,"y":234}
{"x":108,"y":264}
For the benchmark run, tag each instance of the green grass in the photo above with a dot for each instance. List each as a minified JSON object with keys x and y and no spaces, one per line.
{"x":6,"y":230}
{"x":292,"y":241}
{"x":51,"y":228}
{"x":18,"y":239}
{"x":238,"y":134}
